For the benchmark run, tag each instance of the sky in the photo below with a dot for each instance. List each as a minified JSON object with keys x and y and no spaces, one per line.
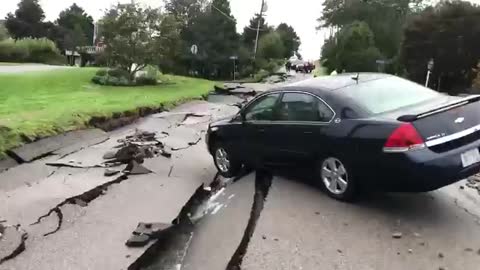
{"x":301,"y":14}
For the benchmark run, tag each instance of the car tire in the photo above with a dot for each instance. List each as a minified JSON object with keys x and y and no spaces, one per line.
{"x":227,"y":165}
{"x":336,"y":177}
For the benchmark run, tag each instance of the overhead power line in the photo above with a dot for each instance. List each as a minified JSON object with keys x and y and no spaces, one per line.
{"x":233,"y":19}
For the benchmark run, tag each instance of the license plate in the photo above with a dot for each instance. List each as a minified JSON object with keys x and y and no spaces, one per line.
{"x":470,"y":157}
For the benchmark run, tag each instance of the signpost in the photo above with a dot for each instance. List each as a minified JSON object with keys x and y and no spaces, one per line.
{"x":234,"y":58}
{"x":194,"y":49}
{"x":429,"y":68}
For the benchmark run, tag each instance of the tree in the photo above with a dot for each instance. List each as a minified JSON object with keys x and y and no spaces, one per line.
{"x":289,"y":38}
{"x":271,"y":46}
{"x":215,"y":34}
{"x":77,"y":21}
{"x":351,"y":50}
{"x":447,"y":33}
{"x":27,"y":21}
{"x":131,"y":36}
{"x":385,"y":18}
{"x":169,"y":44}
{"x":250,"y":32}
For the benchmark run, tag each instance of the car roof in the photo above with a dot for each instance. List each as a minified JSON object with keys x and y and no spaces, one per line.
{"x":335,"y":82}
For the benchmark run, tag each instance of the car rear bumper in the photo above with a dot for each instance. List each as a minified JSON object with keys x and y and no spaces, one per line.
{"x":423,"y":170}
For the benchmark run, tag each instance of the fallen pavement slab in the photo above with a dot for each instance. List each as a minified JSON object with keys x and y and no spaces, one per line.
{"x":42,"y":147}
{"x":217,"y":237}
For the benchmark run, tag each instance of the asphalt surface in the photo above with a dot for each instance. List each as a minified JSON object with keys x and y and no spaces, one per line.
{"x":299,"y":227}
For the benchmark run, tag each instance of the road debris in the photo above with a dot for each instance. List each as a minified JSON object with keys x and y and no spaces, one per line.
{"x":397,"y":235}
{"x":145,"y":232}
{"x":111,"y":172}
{"x":440,"y":255}
{"x":134,"y":168}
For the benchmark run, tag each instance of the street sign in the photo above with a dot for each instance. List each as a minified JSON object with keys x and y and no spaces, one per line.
{"x":233,"y":57}
{"x":194,"y":49}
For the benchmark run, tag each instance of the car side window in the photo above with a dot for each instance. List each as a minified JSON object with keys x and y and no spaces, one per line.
{"x":262,"y":109}
{"x":325,"y":114}
{"x":303,"y":107}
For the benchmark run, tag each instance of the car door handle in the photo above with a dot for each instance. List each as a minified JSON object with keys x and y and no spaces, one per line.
{"x":262,"y":130}
{"x":308,"y":132}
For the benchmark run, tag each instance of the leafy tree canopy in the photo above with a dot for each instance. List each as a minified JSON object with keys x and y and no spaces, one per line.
{"x":271,"y":46}
{"x":27,"y":21}
{"x":133,"y":36}
{"x":250,"y":32}
{"x":290,"y":39}
{"x":352,"y":49}
{"x":77,"y":21}
{"x":448,"y":33}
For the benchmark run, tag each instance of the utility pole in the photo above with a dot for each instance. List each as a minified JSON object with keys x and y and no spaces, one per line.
{"x":258,"y":28}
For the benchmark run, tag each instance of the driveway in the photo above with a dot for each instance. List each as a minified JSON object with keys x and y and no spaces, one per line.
{"x":19,"y":68}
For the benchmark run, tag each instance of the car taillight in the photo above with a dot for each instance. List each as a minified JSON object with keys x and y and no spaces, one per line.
{"x":403,"y":139}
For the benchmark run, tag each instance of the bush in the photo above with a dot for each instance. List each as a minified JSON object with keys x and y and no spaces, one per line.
{"x":33,"y":50}
{"x":101,"y":72}
{"x":118,"y":73}
{"x":109,"y":80}
{"x":145,"y":80}
{"x":260,"y":75}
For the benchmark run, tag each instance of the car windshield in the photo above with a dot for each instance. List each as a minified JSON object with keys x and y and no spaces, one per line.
{"x":388,"y":94}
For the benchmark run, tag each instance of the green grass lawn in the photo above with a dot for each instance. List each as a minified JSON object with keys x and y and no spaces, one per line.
{"x":39,"y":104}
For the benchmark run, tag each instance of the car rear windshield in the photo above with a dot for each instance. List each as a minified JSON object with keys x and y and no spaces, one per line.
{"x":388,"y":94}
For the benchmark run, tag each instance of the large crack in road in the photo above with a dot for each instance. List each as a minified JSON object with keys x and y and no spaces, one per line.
{"x":81,"y":200}
{"x":263,"y":182}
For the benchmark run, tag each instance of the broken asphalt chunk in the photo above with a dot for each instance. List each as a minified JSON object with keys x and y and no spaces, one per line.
{"x":135,"y":169}
{"x":397,"y":235}
{"x":110,"y":154}
{"x":146,"y":232}
{"x":166,"y":152}
{"x":152,"y":229}
{"x":138,"y":240}
{"x":110,"y":172}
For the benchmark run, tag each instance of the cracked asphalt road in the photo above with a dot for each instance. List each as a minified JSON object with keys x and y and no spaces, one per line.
{"x":298,"y":228}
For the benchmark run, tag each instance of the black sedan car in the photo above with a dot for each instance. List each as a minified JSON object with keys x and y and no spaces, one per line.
{"x":369,"y":130}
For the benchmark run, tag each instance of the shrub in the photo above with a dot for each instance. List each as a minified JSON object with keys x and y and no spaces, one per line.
{"x":145,"y":80}
{"x":101,"y":72}
{"x":260,"y":75}
{"x":40,"y":50}
{"x":99,"y":79}
{"x":148,"y":76}
{"x":118,"y":73}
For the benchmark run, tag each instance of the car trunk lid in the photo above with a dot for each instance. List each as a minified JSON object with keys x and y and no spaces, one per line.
{"x":446,"y":123}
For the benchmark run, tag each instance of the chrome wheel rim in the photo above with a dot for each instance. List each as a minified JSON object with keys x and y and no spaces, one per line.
{"x":221,"y":158}
{"x":334,"y":176}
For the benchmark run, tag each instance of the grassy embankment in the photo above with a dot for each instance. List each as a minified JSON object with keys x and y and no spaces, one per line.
{"x":40,"y":104}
